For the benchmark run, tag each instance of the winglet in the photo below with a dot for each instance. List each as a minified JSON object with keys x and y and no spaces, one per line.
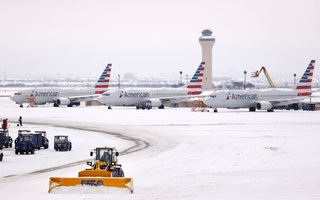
{"x":103,"y":83}
{"x":196,"y":82}
{"x":304,"y":85}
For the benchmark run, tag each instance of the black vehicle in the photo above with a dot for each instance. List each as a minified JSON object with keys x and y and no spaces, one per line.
{"x":7,"y":139}
{"x":62,"y":143}
{"x":24,"y":143}
{"x":2,"y":141}
{"x":40,"y":139}
{"x":4,"y":130}
{"x":27,"y":142}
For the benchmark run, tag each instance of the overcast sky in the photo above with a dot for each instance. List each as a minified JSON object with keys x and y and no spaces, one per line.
{"x":77,"y":38}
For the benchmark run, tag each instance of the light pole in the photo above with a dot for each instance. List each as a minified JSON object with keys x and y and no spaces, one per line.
{"x":4,"y":78}
{"x":187,"y":79}
{"x":244,"y":82}
{"x":294,"y":79}
{"x":180,"y":78}
{"x":119,"y":80}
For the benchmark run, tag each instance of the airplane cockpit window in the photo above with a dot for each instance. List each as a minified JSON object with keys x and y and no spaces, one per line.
{"x":213,"y":96}
{"x":17,"y":93}
{"x":106,"y":94}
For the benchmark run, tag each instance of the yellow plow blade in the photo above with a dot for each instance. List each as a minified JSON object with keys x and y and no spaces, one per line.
{"x":119,"y":182}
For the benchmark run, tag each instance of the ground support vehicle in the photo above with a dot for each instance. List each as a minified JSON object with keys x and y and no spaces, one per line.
{"x":62,"y":143}
{"x":1,"y":154}
{"x":7,"y":140}
{"x":309,"y":106}
{"x":24,"y":143}
{"x":4,"y":129}
{"x":27,"y":142}
{"x":2,"y":140}
{"x":148,"y":105}
{"x":144,"y":105}
{"x":104,"y":172}
{"x":40,"y":139}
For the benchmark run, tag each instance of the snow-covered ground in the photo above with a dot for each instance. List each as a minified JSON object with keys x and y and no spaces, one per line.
{"x":176,"y":154}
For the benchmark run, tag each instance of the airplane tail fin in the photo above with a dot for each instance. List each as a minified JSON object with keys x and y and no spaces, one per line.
{"x":195,"y":83}
{"x":103,"y":83}
{"x":304,"y":85}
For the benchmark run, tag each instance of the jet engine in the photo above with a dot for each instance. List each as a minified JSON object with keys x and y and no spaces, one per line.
{"x":264,"y":105}
{"x":63,"y":101}
{"x":154,"y":102}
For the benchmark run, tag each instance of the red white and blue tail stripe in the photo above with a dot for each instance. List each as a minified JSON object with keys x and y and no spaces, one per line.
{"x":304,"y":85}
{"x":195,"y":83}
{"x":103,"y":83}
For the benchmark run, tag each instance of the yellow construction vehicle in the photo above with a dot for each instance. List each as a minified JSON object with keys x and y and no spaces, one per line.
{"x":257,"y":73}
{"x":105,"y":171}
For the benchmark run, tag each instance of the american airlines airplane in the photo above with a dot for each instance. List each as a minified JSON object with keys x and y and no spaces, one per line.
{"x":262,"y":99}
{"x":61,"y":96}
{"x":146,"y":98}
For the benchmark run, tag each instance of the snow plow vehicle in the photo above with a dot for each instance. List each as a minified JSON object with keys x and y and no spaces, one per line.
{"x":105,"y":171}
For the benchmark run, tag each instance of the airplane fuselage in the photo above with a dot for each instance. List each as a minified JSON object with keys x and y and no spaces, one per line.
{"x":249,"y":98}
{"x":132,"y":97}
{"x":42,"y":96}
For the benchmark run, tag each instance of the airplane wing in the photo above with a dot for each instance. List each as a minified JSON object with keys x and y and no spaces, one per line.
{"x":83,"y":98}
{"x":283,"y":102}
{"x":174,"y":99}
{"x":178,"y":99}
{"x":74,"y":99}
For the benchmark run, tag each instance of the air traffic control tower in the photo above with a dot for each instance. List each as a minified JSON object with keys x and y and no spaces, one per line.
{"x":207,"y":42}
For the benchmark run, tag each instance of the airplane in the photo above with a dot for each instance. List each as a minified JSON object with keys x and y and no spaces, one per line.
{"x":62,"y":96}
{"x":262,"y":99}
{"x":146,"y":98}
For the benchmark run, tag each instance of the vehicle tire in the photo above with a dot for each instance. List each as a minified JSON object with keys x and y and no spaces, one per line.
{"x":161,"y":107}
{"x":118,"y":172}
{"x":16,"y":152}
{"x":114,"y":173}
{"x":1,"y":156}
{"x":27,"y":152}
{"x":121,"y":173}
{"x":32,"y":151}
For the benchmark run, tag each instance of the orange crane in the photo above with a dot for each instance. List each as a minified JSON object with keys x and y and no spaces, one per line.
{"x":257,"y":73}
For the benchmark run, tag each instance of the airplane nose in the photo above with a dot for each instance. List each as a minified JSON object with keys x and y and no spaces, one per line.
{"x":206,"y":101}
{"x":100,"y":99}
{"x":13,"y":97}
